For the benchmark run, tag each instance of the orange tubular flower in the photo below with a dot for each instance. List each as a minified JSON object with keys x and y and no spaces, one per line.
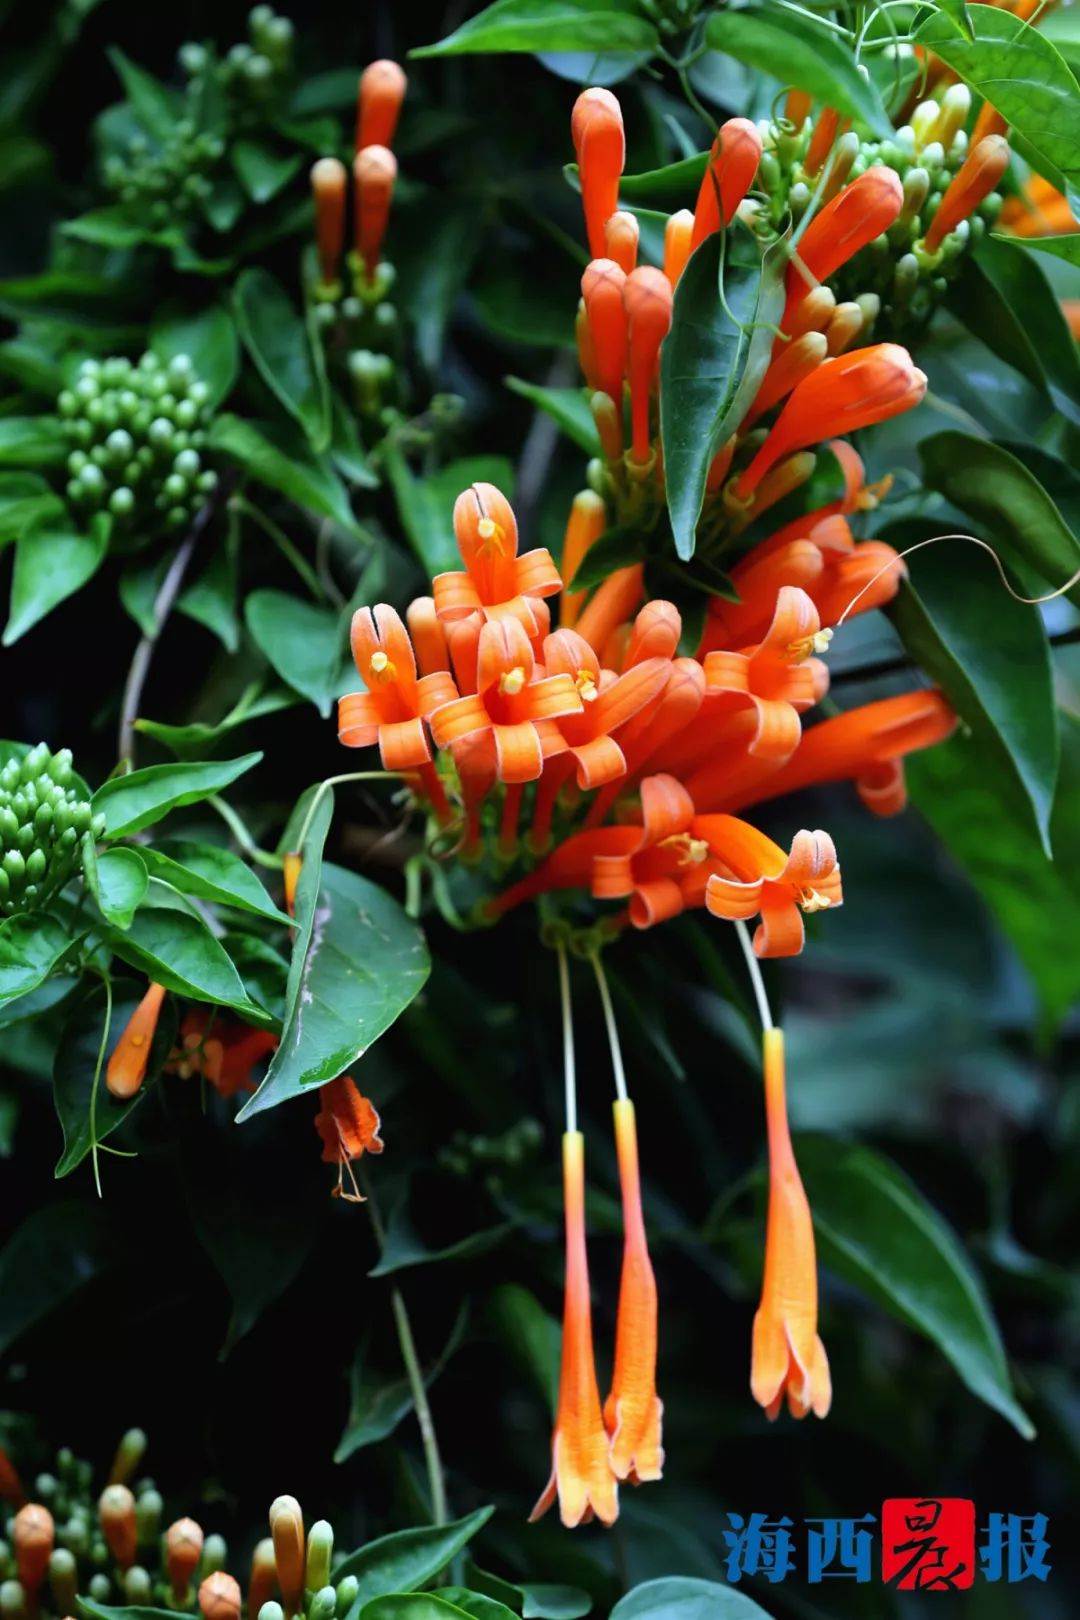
{"x":611,"y":605}
{"x":854,"y":217}
{"x":602,"y":291}
{"x":329,"y":183}
{"x":374,"y":175}
{"x":127,"y":1065}
{"x":393,"y":709}
{"x":511,"y":715}
{"x":596,"y":126}
{"x":778,"y":886}
{"x":827,"y":128}
{"x":585,"y":525}
{"x":497,"y":583}
{"x":349,"y":1127}
{"x":678,"y":243}
{"x":778,"y":679}
{"x":793,"y":362}
{"x":621,"y":235}
{"x":221,"y":1050}
{"x":609,"y":701}
{"x":732,"y":165}
{"x":632,"y":1412}
{"x":975,"y":179}
{"x":33,"y":1534}
{"x":647,"y":299}
{"x":788,"y":1355}
{"x":378,"y":104}
{"x":581,"y":1474}
{"x":847,"y":392}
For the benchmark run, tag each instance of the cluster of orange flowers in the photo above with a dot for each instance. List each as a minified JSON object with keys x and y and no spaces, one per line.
{"x":382,"y":90}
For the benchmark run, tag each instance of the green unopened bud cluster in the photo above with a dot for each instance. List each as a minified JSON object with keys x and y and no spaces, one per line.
{"x":895,"y":267}
{"x":137,"y":434}
{"x":161,"y":182}
{"x":465,"y":1154}
{"x":256,"y":70}
{"x":43,"y":820}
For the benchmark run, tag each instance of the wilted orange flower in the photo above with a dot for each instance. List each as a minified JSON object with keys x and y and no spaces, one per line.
{"x":633,"y":1413}
{"x":126,"y":1069}
{"x":581,"y":1474}
{"x":788,"y":1355}
{"x":221,"y":1050}
{"x":497,"y":583}
{"x":378,"y":103}
{"x":349,"y":1127}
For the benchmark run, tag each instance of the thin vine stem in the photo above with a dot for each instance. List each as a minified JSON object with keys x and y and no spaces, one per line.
{"x":612,"y":1028}
{"x":753,"y":967}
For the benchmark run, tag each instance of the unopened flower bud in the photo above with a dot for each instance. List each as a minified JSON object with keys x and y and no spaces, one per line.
{"x":647,"y":299}
{"x":733,"y":161}
{"x":148,"y":1506}
{"x":320,"y":1552}
{"x":287,"y":1532}
{"x":621,"y":232}
{"x":323,"y":1604}
{"x":116,"y":1514}
{"x":129,"y":1454}
{"x":976,"y":178}
{"x":292,"y":866}
{"x":183,"y":1549}
{"x":127,"y":1065}
{"x":347,"y":1589}
{"x":923,"y":122}
{"x":138,"y":1587}
{"x":13,"y":1600}
{"x":219,"y":1597}
{"x":263,"y":1580}
{"x":214,"y":1556}
{"x":596,"y":126}
{"x":609,"y":424}
{"x":916,"y":186}
{"x":63,"y":1580}
{"x":374,"y":175}
{"x":329,"y":186}
{"x":379,"y":97}
{"x":678,"y":243}
{"x":32,"y":1534}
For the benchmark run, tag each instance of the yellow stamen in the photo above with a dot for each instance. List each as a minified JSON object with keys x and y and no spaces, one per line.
{"x":871,"y":495}
{"x":586,"y":686}
{"x":811,"y":900}
{"x":805,"y":645}
{"x":512,"y":682}
{"x":692,"y":851}
{"x":492,"y":536}
{"x":383,"y":667}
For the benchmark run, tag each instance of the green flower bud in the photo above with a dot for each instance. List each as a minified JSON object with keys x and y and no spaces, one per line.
{"x":100,"y":1586}
{"x":98,"y":824}
{"x":43,"y":822}
{"x":187,"y":464}
{"x":120,"y":444}
{"x":122,"y":501}
{"x":5,"y":894}
{"x":86,"y":389}
{"x":160,"y":433}
{"x":175,"y":487}
{"x":15,"y":867}
{"x":66,"y":403}
{"x":12,"y":1600}
{"x":148,"y":1504}
{"x":214,"y":1556}
{"x":36,"y":866}
{"x":63,"y":1579}
{"x":347,"y":1589}
{"x":138,"y":1587}
{"x":67,"y":840}
{"x":320,"y":1552}
{"x":186,"y":413}
{"x":323,"y":1605}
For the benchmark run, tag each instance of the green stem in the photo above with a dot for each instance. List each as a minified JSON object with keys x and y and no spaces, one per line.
{"x":107,"y":980}
{"x":261,"y":857}
{"x":335,"y":781}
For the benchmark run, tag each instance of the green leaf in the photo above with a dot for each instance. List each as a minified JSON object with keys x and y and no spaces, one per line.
{"x":283,"y":462}
{"x":25,"y":501}
{"x":799,"y":50}
{"x":276,"y":337}
{"x":992,"y":486}
{"x":569,"y":407}
{"x":1060,"y":247}
{"x":378,"y":1405}
{"x":56,"y":1253}
{"x":31,"y":946}
{"x":156,"y":107}
{"x":211,"y":599}
{"x":426,"y":505}
{"x":178,"y":950}
{"x":479,"y":1604}
{"x":118,"y":881}
{"x":990,"y":655}
{"x":302,"y":641}
{"x":402,"y":1248}
{"x":674,"y":186}
{"x":876,"y":1229}
{"x":210,"y":873}
{"x":261,"y":170}
{"x":530,"y":1335}
{"x":116,"y":227}
{"x":444,"y":243}
{"x":69,"y":297}
{"x":140,"y":798}
{"x":357,"y":963}
{"x":533,"y":1600}
{"x":33,"y":441}
{"x":209,"y":340}
{"x":76,"y":1062}
{"x":712,"y":363}
{"x":550,"y":25}
{"x":106,"y":1611}
{"x":976,"y":808}
{"x":199,"y":736}
{"x":52,"y":562}
{"x":1018,"y":71}
{"x":957,"y":11}
{"x":680,"y":1597}
{"x":407,"y":1559}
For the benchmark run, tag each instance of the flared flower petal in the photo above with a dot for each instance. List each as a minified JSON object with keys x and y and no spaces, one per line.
{"x":632,"y":1412}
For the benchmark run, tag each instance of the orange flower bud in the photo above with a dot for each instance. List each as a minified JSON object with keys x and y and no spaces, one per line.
{"x":973,"y":181}
{"x":32,"y":1535}
{"x":600,"y":143}
{"x":602,"y":287}
{"x":846,"y":393}
{"x":678,"y":244}
{"x":263,"y":1583}
{"x":621,"y":233}
{"x":585,"y":525}
{"x":852,"y":219}
{"x":813,"y":314}
{"x":11,"y":1486}
{"x":183,"y":1549}
{"x":219,"y":1597}
{"x":611,"y":605}
{"x":428,"y":635}
{"x":797,"y":107}
{"x":844,"y":327}
{"x":733,"y":163}
{"x":378,"y":103}
{"x":647,"y":300}
{"x":287,"y":1531}
{"x":827,"y":128}
{"x":329,"y":183}
{"x":116,"y":1513}
{"x":794,"y":361}
{"x":655,"y":633}
{"x":292,"y":866}
{"x":989,"y":122}
{"x":374,"y":174}
{"x":127,"y":1065}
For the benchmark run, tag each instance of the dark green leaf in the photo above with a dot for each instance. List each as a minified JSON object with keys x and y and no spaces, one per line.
{"x":283,"y":462}
{"x":408,"y":1559}
{"x":1060,"y":247}
{"x":116,"y":227}
{"x":550,"y":25}
{"x":990,"y":655}
{"x":276,"y":337}
{"x":26,"y":501}
{"x":261,"y":169}
{"x":140,"y":798}
{"x":178,"y":950}
{"x":84,"y":1117}
{"x":877,"y":1230}
{"x":358,"y":961}
{"x":33,"y":441}
{"x":569,"y":407}
{"x":530,"y":1335}
{"x":209,"y":340}
{"x":118,"y":881}
{"x":69,"y":297}
{"x":52,"y":1256}
{"x":434,"y":273}
{"x":378,"y":1404}
{"x":712,"y":363}
{"x":30,"y":948}
{"x":156,"y":107}
{"x":402,"y":1247}
{"x":679,"y":1597}
{"x":211,"y":599}
{"x":200,"y":735}
{"x":533,"y":1600}
{"x":799,"y":50}
{"x":674,"y":186}
{"x":618,"y":548}
{"x":1019,"y":71}
{"x":211,"y":873}
{"x":1004,"y":298}
{"x":52,"y":562}
{"x":479,"y":1604}
{"x":303,"y":643}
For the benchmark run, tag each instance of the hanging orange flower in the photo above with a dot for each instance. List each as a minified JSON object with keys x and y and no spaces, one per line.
{"x":632,"y":1412}
{"x":497,"y":583}
{"x":608,"y":700}
{"x":788,"y":1355}
{"x":221,"y":1050}
{"x":581,"y":1475}
{"x":349,"y":1127}
{"x":126,"y":1069}
{"x":766,"y":880}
